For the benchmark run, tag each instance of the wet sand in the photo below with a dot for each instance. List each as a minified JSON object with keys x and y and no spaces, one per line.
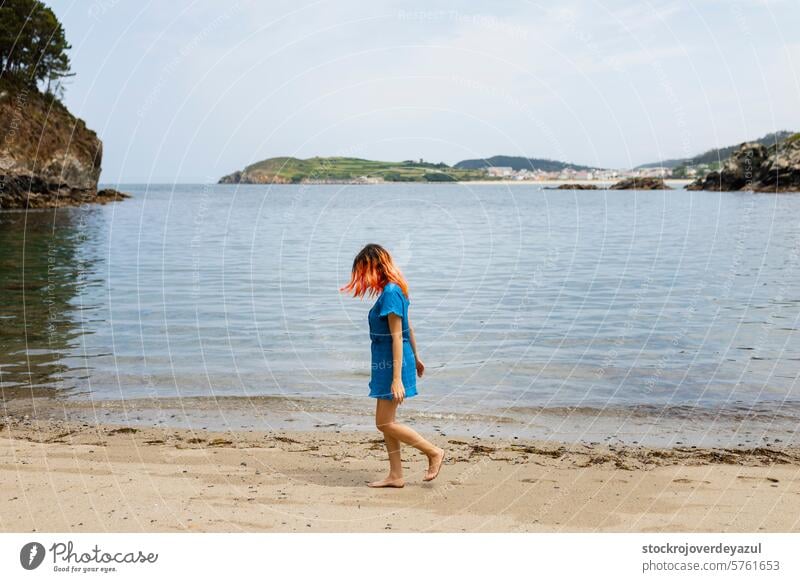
{"x":662,"y":427}
{"x":58,"y":475}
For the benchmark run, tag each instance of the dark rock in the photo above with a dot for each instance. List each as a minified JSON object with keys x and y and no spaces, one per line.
{"x":234,"y":178}
{"x":757,"y":168}
{"x":22,"y":192}
{"x":780,"y":172}
{"x":574,"y":187}
{"x":712,"y":181}
{"x":110,"y":195}
{"x":740,"y":172}
{"x":256,"y":176}
{"x":640,"y":184}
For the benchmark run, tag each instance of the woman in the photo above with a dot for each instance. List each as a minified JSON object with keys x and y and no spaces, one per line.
{"x":394,"y":357}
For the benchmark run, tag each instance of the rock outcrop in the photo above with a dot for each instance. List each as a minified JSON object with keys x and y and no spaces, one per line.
{"x":253,"y":177}
{"x":757,"y":168}
{"x":575,"y":187}
{"x":235,"y":178}
{"x":640,"y":184}
{"x":48,"y":157}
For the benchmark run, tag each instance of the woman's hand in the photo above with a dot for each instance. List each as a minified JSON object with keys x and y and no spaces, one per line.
{"x":420,"y":368}
{"x":398,"y":391}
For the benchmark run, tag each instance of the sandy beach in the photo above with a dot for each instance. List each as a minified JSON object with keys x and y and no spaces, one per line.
{"x":81,"y":477}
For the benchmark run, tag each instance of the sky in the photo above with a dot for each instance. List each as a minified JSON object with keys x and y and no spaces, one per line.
{"x":188,"y":91}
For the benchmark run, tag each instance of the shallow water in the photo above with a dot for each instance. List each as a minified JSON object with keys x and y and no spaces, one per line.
{"x":680,"y":303}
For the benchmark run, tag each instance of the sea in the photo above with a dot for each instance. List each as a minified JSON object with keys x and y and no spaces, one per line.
{"x":661,"y":317}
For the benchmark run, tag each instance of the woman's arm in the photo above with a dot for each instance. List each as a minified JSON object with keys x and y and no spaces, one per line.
{"x":413,"y":341}
{"x":396,"y":329}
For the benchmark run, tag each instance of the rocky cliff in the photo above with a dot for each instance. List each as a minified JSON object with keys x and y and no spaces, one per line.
{"x":758,"y":168}
{"x":48,"y":157}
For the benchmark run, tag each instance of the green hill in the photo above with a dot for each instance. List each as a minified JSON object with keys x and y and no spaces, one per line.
{"x":287,"y":170}
{"x":518,"y":163}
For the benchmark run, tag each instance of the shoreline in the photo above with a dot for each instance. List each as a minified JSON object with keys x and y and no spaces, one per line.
{"x":675,"y":184}
{"x":61,"y":475}
{"x":654,"y":426}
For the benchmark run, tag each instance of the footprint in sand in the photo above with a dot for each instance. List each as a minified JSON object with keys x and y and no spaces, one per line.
{"x":749,"y":478}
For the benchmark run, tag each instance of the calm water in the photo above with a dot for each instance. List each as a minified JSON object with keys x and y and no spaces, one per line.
{"x":521,"y":297}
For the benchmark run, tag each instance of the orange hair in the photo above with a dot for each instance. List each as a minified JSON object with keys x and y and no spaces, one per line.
{"x":373,"y":269}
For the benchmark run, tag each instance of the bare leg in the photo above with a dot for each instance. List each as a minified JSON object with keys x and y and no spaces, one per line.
{"x":383,"y":416}
{"x":394,"y":431}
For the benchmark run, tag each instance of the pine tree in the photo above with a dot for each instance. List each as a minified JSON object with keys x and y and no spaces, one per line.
{"x":33,"y":47}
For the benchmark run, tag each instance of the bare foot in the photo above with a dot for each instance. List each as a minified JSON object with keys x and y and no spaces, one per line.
{"x":388,"y":482}
{"x":434,"y":464}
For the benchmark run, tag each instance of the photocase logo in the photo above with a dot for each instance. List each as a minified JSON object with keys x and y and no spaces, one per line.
{"x":31,"y":555}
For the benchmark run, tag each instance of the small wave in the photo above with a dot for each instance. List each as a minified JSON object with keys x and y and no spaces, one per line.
{"x":789,"y":411}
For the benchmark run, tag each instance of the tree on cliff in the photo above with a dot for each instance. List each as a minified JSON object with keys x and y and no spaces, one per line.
{"x":33,"y":48}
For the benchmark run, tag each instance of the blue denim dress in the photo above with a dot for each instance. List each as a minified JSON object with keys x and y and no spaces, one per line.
{"x":391,"y":300}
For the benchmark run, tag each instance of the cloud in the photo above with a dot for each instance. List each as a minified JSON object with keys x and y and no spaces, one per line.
{"x":600,"y":83}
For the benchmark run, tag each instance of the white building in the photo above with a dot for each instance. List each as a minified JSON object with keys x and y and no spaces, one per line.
{"x":499,"y":171}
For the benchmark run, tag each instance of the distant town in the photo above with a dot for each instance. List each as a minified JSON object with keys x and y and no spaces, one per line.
{"x":569,"y":174}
